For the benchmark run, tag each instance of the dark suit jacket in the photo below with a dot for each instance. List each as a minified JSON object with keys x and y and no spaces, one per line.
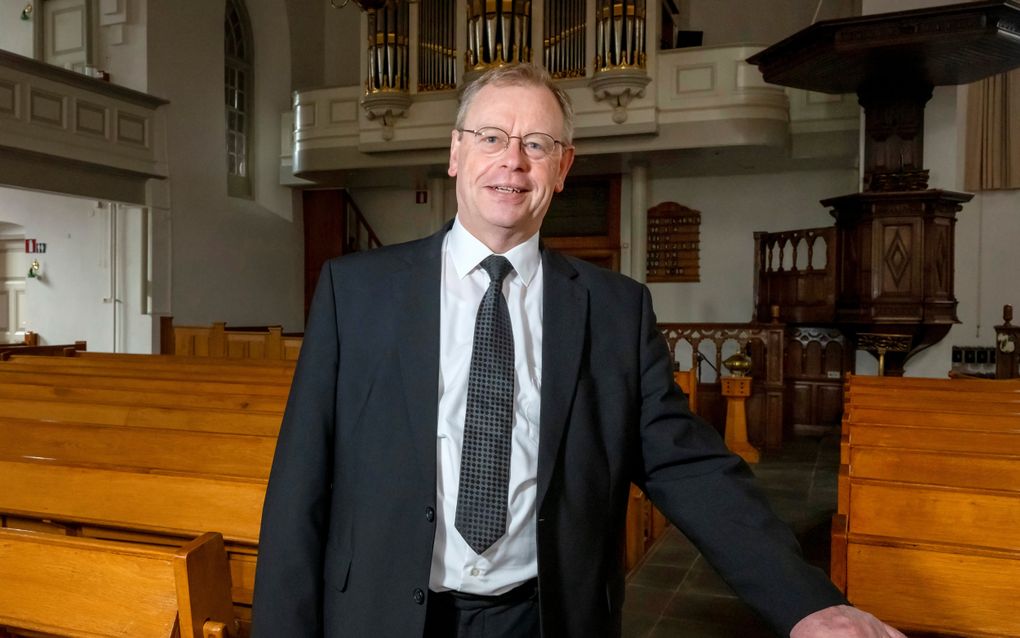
{"x":348,"y":525}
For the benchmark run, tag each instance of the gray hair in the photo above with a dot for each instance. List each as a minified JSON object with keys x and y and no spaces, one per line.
{"x":519,"y":75}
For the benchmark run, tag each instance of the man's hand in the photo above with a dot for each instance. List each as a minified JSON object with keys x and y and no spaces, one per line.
{"x":843,"y":621}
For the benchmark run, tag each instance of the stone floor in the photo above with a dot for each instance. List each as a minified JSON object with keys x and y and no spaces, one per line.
{"x":675,"y":593}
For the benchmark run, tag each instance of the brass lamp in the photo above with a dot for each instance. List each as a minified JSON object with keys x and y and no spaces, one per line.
{"x":739,"y":364}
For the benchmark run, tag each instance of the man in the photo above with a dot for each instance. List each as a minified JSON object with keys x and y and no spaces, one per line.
{"x":379,"y":514}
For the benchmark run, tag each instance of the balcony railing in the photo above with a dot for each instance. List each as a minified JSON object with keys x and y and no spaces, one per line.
{"x":112,"y":139}
{"x":696,"y":98}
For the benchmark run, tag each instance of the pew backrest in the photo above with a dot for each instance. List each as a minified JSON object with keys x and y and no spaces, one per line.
{"x":152,"y":397}
{"x":219,"y":341}
{"x":927,"y":531}
{"x":127,"y":415}
{"x":173,"y":504}
{"x":109,"y":380}
{"x":79,"y":587}
{"x":142,"y":449}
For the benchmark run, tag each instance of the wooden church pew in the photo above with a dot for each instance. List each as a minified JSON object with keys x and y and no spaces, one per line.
{"x":56,"y":377}
{"x":177,"y":504}
{"x":220,"y":341}
{"x":161,"y":504}
{"x":69,"y":586}
{"x":927,"y":531}
{"x":101,"y":444}
{"x":132,"y":470}
{"x":183,"y":398}
{"x":163,"y":366}
{"x":9,"y":349}
{"x":180,"y":418}
{"x":147,"y":449}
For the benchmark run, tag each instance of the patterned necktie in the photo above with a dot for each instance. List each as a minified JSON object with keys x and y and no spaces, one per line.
{"x":485,"y":453}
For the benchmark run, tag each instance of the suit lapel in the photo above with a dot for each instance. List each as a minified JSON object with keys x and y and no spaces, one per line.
{"x":564,"y":329}
{"x":417,"y":291}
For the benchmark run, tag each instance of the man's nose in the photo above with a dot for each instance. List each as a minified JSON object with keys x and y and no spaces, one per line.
{"x":514,"y":154}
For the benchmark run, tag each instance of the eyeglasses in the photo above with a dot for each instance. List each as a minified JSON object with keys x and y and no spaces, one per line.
{"x":491,"y":140}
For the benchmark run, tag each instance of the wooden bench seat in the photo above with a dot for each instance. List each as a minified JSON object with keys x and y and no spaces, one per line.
{"x":156,"y":374}
{"x":122,"y":357}
{"x":80,"y":587}
{"x":863,"y":382}
{"x":171,"y":503}
{"x":927,"y":532}
{"x":142,"y":449}
{"x":166,"y":503}
{"x":202,"y":419}
{"x":145,"y":449}
{"x":172,"y":366}
{"x":153,"y":398}
{"x":9,"y":349}
{"x":90,"y":379}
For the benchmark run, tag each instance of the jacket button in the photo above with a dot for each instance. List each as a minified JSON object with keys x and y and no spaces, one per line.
{"x":419,"y":596}
{"x":430,"y":514}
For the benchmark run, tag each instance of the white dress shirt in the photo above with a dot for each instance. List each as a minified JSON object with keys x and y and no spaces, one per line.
{"x":513,"y":559}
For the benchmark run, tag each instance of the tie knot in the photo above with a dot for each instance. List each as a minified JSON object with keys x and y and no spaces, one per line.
{"x":498,"y":268}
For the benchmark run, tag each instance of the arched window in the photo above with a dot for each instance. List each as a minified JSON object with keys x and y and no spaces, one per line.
{"x":238,"y":76}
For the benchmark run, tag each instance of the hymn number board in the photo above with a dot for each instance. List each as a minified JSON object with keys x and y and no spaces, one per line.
{"x":673,"y":242}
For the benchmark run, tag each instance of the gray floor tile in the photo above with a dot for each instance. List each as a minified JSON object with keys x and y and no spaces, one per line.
{"x":675,"y":593}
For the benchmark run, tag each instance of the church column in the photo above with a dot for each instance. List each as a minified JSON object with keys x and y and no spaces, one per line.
{"x":638,"y":220}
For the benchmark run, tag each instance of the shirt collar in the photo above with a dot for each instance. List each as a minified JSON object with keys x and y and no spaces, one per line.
{"x":467,"y":252}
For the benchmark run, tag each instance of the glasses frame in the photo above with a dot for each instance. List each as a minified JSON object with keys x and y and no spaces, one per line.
{"x":478,"y":133}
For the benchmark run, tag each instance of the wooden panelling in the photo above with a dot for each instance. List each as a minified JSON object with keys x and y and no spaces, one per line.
{"x":937,"y":591}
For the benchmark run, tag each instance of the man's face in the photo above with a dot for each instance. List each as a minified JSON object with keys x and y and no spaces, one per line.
{"x":503,"y":198}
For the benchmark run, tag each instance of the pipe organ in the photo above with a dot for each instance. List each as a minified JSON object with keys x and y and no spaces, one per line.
{"x":498,"y":32}
{"x":619,"y":34}
{"x":421,"y":47}
{"x":388,"y":49}
{"x":437,"y":49}
{"x":563,"y":39}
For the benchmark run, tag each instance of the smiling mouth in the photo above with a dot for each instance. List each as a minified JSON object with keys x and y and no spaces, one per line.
{"x":506,"y":189}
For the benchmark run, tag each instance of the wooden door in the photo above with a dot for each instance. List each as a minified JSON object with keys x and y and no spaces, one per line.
{"x":817,"y":360}
{"x":325,"y":221}
{"x":13,"y":270}
{"x":66,"y":33}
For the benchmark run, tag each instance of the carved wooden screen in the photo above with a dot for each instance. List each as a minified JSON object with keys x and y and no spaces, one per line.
{"x":708,"y":343}
{"x":673,"y":243}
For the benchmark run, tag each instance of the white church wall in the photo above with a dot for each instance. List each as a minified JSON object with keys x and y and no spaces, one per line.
{"x":342,"y":46}
{"x":121,"y":43}
{"x":999,"y":266}
{"x":732,"y":208}
{"x":70,"y":301}
{"x":15,"y":33}
{"x":234,"y":260}
{"x":393,"y":214}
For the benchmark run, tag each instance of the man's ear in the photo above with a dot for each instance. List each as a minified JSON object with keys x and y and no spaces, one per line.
{"x":566,"y":161}
{"x":451,"y":170}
